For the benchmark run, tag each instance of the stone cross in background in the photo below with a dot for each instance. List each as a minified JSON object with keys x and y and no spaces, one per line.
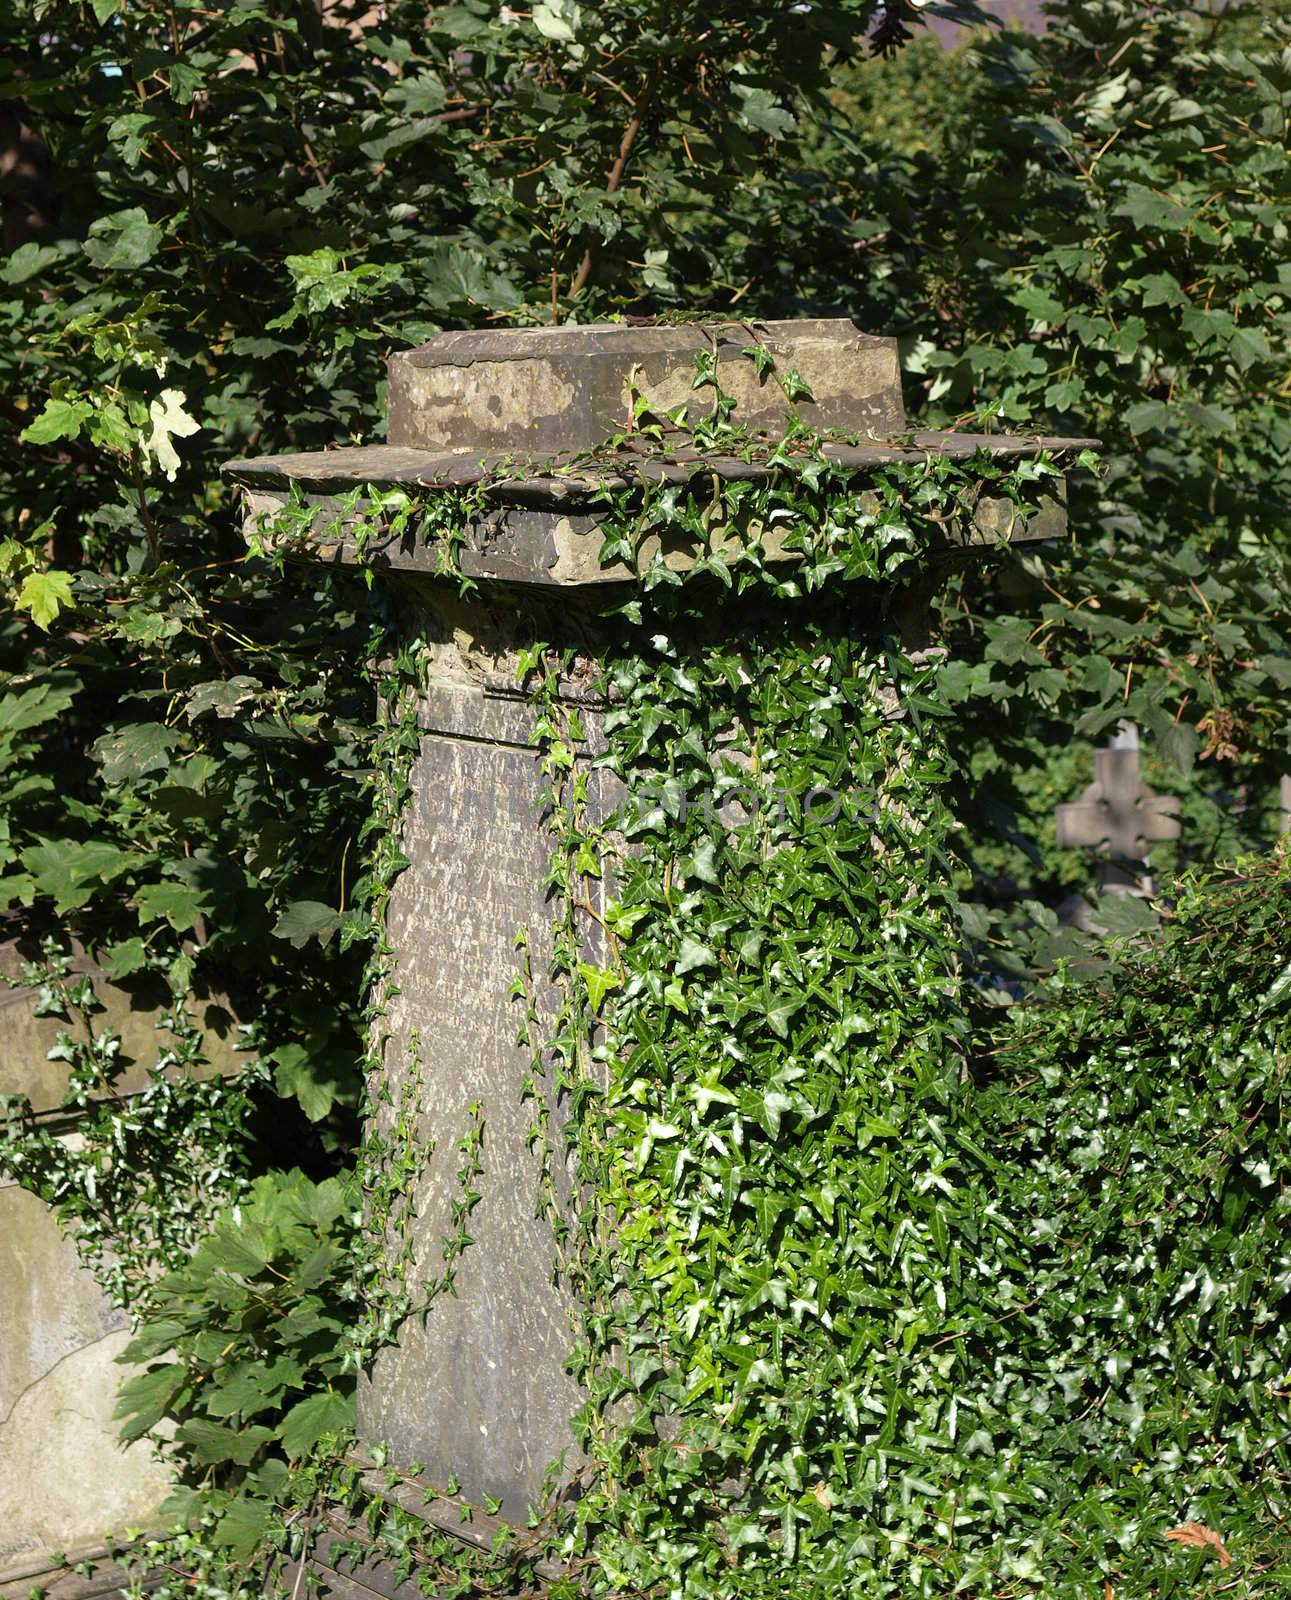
{"x":1119,"y":815}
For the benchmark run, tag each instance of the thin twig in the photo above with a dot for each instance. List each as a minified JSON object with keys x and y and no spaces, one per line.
{"x":639,"y":109}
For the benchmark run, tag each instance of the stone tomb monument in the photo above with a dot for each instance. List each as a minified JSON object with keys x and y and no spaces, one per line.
{"x":478,"y":1394}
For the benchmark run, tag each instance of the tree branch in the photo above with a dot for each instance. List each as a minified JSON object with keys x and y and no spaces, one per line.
{"x":639,"y":110}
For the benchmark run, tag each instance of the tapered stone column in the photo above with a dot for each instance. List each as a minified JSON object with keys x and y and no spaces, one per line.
{"x":479,"y":1393}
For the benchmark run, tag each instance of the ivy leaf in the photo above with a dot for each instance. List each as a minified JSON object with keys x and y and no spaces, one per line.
{"x":691,"y":955}
{"x":774,"y":1105}
{"x":599,"y":982}
{"x":779,"y":1014}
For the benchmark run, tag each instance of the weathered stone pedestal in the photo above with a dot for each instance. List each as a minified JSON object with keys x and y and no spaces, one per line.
{"x":478,"y":1394}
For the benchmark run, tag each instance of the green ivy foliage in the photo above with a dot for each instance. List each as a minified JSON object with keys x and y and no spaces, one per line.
{"x":878,"y":1304}
{"x":776,"y":1143}
{"x":1135,"y":1370}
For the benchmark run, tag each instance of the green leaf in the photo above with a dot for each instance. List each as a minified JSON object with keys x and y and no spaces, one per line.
{"x":774,"y":1106}
{"x":311,"y":1081}
{"x":309,"y":1421}
{"x":175,"y":903}
{"x":1125,"y":914}
{"x":1148,"y":209}
{"x":144,"y":1400}
{"x":40,"y":703}
{"x":304,"y":920}
{"x":123,"y":241}
{"x":760,"y":109}
{"x":44,"y":594}
{"x":1147,"y":415}
{"x":60,"y":418}
{"x":1215,"y":419}
{"x":28,"y":261}
{"x":556,"y":19}
{"x":135,"y":750}
{"x":223,"y":696}
{"x":599,"y":982}
{"x":69,"y":870}
{"x":242,"y":1527}
{"x":462,"y":277}
{"x":213,"y":1445}
{"x":120,"y":960}
{"x":691,"y":955}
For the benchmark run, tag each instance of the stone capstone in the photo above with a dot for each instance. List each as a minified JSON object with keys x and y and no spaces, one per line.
{"x":571,"y":388}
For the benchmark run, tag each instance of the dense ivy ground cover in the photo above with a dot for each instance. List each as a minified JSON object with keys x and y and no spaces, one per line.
{"x":243,"y":208}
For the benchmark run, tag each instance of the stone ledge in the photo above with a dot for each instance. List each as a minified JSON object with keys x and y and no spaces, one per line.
{"x":571,"y":479}
{"x":106,"y":1579}
{"x":546,"y":530}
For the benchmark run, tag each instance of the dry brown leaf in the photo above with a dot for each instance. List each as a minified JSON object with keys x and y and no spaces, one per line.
{"x":1108,"y":1592}
{"x":1199,"y":1537}
{"x":821,"y":1493}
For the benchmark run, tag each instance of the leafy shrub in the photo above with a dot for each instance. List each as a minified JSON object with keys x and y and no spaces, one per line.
{"x":1124,"y":274}
{"x":246,"y":1354}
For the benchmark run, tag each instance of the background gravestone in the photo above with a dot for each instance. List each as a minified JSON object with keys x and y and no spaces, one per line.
{"x":65,"y":1481}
